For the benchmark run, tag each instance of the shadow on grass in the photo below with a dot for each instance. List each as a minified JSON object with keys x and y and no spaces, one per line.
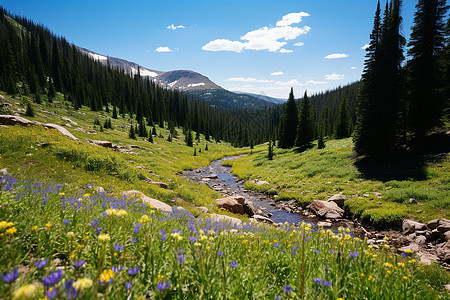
{"x":407,"y":164}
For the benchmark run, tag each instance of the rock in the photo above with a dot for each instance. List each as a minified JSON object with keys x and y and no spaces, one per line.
{"x":69,"y":120}
{"x":16,"y":120}
{"x":230,"y":204}
{"x":269,"y":215}
{"x":249,"y":209}
{"x":99,"y":189}
{"x":412,"y":201}
{"x":444,"y":226}
{"x":3,"y":171}
{"x":261,"y":182}
{"x":106,"y":144}
{"x":413,"y":247}
{"x":324,"y":224}
{"x":61,"y":129}
{"x":150,"y":201}
{"x":43,"y":144}
{"x":203,"y":209}
{"x":263,"y":219}
{"x":420,"y":240}
{"x":410,"y":226}
{"x":339,"y":199}
{"x":427,"y":258}
{"x":160,"y":184}
{"x":225,"y":219}
{"x":214,"y":176}
{"x":259,"y":212}
{"x":239,"y":199}
{"x":447,"y":236}
{"x":327,"y":210}
{"x":433,"y":224}
{"x":411,"y":237}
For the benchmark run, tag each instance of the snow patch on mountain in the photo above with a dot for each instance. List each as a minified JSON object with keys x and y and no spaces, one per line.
{"x":97,"y":56}
{"x":172,"y":83}
{"x":195,"y":84}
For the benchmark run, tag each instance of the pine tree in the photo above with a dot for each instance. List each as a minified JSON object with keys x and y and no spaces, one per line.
{"x":270,"y":150}
{"x":188,"y":139}
{"x":142,"y":130}
{"x":132,"y":134}
{"x":150,"y":136}
{"x":305,"y":131}
{"x":206,"y":147}
{"x":342,"y":129}
{"x":51,"y":91}
{"x":29,"y":112}
{"x":169,"y":138}
{"x":114,"y":114}
{"x":320,"y":142}
{"x":289,"y":124}
{"x":425,"y":99}
{"x":37,"y":98}
{"x":154,"y":131}
{"x":195,"y":151}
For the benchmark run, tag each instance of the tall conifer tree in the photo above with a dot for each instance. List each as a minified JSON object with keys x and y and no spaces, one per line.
{"x":289,"y":124}
{"x":305,"y":131}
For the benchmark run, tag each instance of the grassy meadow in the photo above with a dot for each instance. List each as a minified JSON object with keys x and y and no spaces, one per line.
{"x":319,"y":174}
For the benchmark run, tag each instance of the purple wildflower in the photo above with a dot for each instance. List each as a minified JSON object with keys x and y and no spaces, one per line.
{"x":181,"y":258}
{"x":98,"y":230}
{"x":354,"y":254}
{"x":128,"y":286}
{"x":66,"y":221}
{"x":71,"y":292}
{"x":162,"y":232}
{"x":193,"y":239}
{"x":323,"y":282}
{"x":93,"y":223}
{"x":51,"y":294}
{"x":219,"y":253}
{"x":52,"y":279}
{"x":78,"y":264}
{"x":118,"y":247}
{"x":234,"y":264}
{"x":117,"y":269}
{"x":177,"y":231}
{"x":276,"y":245}
{"x":317,"y":251}
{"x":287,"y":288}
{"x":404,"y":254}
{"x":10,"y":277}
{"x":163,"y":286}
{"x":137,"y":227}
{"x":40,"y":264}
{"x":277,"y":297}
{"x":134,"y":271}
{"x":163,"y":238}
{"x":135,"y":240}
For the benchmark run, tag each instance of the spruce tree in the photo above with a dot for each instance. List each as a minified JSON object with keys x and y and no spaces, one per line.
{"x":154,"y":131}
{"x":206,"y":147}
{"x":114,"y":114}
{"x":29,"y":112}
{"x":169,"y":138}
{"x":188,"y":139}
{"x":150,"y":136}
{"x":289,"y":124}
{"x":270,"y":150}
{"x":195,"y":151}
{"x":425,"y":99}
{"x":132,"y":134}
{"x":305,"y":131}
{"x":51,"y":91}
{"x":342,"y":129}
{"x":320,"y":142}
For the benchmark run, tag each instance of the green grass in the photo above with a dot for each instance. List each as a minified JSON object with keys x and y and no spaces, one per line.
{"x":200,"y":258}
{"x":319,"y":174}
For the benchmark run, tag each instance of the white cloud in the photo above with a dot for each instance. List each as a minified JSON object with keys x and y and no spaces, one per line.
{"x":310,"y":82}
{"x":352,"y":68}
{"x":277,"y":73}
{"x":299,"y":44}
{"x":334,"y":76}
{"x":365,"y":46}
{"x":163,"y":49}
{"x":292,"y":18}
{"x":336,"y":55}
{"x":224,"y":45}
{"x":173,"y":27}
{"x":265,"y":38}
{"x":248,"y":79}
{"x":292,"y":82}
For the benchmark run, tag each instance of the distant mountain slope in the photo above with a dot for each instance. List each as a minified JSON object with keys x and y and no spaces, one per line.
{"x":263,"y":97}
{"x":188,"y":81}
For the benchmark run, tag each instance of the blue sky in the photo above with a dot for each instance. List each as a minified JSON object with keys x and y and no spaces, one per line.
{"x":264,"y":47}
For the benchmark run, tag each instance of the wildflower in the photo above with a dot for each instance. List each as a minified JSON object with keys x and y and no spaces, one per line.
{"x":86,"y":195}
{"x":362,"y":275}
{"x":52,"y":279}
{"x":134,"y":271}
{"x":340,"y":298}
{"x":128,"y":286}
{"x":276,"y":245}
{"x":61,"y":194}
{"x":176,"y":236}
{"x":144,"y":219}
{"x":117,"y":269}
{"x":78,"y":264}
{"x":4,"y":225}
{"x":408,"y":251}
{"x":160,"y":277}
{"x":11,"y":230}
{"x":388,"y":265}
{"x":404,"y":255}
{"x":196,"y":244}
{"x":41,"y":264}
{"x":163,"y":286}
{"x":82,"y":284}
{"x":121,"y":213}
{"x":323,"y":282}
{"x":98,"y":230}
{"x":106,"y":276}
{"x":370,"y":277}
{"x":389,"y":272}
{"x":51,"y":293}
{"x":135,"y":240}
{"x":412,"y":261}
{"x":26,"y":292}
{"x":118,"y":247}
{"x":11,"y":277}
{"x":34,"y":227}
{"x":93,"y":223}
{"x":234,"y":264}
{"x":277,"y":297}
{"x":354,"y":254}
{"x":317,"y":251}
{"x":405,"y":277}
{"x":287,"y":288}
{"x":219,"y":253}
{"x":181,"y":258}
{"x":137,"y":227}
{"x":193,"y":239}
{"x":104,"y":237}
{"x":401,"y":264}
{"x":70,"y":234}
{"x":48,"y":225}
{"x":66,"y":221}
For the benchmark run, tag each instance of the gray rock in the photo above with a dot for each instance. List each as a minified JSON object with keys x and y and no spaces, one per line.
{"x":339,"y":199}
{"x":433,"y":224}
{"x":99,"y":189}
{"x":324,"y":224}
{"x":203,"y":209}
{"x":249,"y":209}
{"x":3,"y":171}
{"x":225,"y":219}
{"x":230,"y":204}
{"x":420,"y":240}
{"x":427,"y":258}
{"x":326,"y":210}
{"x":410,"y":226}
{"x":150,"y":201}
{"x":261,"y":182}
{"x":263,"y":219}
{"x":413,"y":247}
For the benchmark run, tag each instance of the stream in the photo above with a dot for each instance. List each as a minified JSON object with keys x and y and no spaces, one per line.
{"x":220,"y":178}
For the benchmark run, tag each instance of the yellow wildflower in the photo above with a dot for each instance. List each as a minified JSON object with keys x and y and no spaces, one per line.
{"x":401,"y":264}
{"x":203,"y":237}
{"x":104,"y":237}
{"x":160,"y":278}
{"x":26,"y":292}
{"x":82,"y":284}
{"x":389,"y":272}
{"x":61,"y":194}
{"x":370,"y":277}
{"x":244,"y":242}
{"x":388,"y":265}
{"x":86,"y":195}
{"x":70,"y":234}
{"x":197,"y":244}
{"x":80,"y":246}
{"x":48,"y":225}
{"x":106,"y":275}
{"x":362,"y":275}
{"x":34,"y":227}
{"x":412,"y":261}
{"x":11,"y":230}
{"x":405,"y":277}
{"x":144,"y":219}
{"x":4,"y":225}
{"x":408,"y":251}
{"x":121,"y":213}
{"x":340,"y":298}
{"x":177,"y":236}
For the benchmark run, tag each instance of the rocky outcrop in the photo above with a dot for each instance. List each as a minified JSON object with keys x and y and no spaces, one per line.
{"x":225,"y":219}
{"x":410,"y":226}
{"x":16,"y":120}
{"x":150,"y":201}
{"x":339,"y":199}
{"x":249,"y":209}
{"x":326,"y":210}
{"x":262,"y":219}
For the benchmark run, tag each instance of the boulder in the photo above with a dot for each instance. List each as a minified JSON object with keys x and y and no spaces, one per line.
{"x":413,"y":247}
{"x":324,"y":224}
{"x":150,"y":201}
{"x":15,"y":120}
{"x":230,"y":204}
{"x":443,"y":251}
{"x":261,"y":182}
{"x":433,"y":224}
{"x":444,"y":226}
{"x":61,"y":129}
{"x":339,"y":199}
{"x":203,"y":209}
{"x":239,"y":199}
{"x":327,"y":210}
{"x":249,"y":209}
{"x":69,"y":120}
{"x":410,"y":226}
{"x":420,"y":240}
{"x":427,"y":258}
{"x":263,"y":219}
{"x":225,"y":219}
{"x":106,"y":144}
{"x":99,"y":190}
{"x":3,"y":171}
